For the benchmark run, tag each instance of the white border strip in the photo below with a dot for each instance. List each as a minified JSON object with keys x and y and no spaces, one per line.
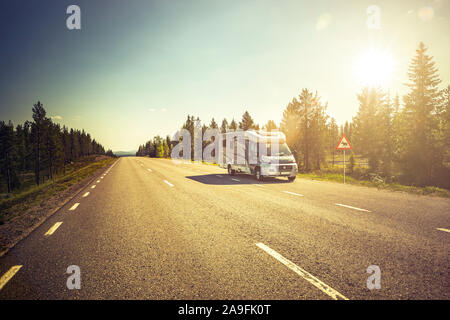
{"x":303,"y":273}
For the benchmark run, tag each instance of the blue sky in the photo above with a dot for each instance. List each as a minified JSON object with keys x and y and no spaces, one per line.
{"x":137,"y":68}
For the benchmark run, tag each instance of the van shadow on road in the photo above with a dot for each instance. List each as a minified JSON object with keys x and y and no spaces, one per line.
{"x":225,"y":179}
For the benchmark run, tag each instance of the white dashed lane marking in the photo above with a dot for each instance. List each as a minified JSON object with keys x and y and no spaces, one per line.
{"x":53,"y":229}
{"x":293,"y":193}
{"x":8,"y":275}
{"x":350,"y":207}
{"x":93,"y":187}
{"x":85,"y":195}
{"x":168,"y":183}
{"x":74,"y":206}
{"x":443,"y":229}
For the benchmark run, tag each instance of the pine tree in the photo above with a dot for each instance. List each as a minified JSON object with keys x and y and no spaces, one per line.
{"x":21,"y":148}
{"x":38,"y":132}
{"x":270,"y":125}
{"x":444,"y":119}
{"x":65,"y":140}
{"x":290,"y":125}
{"x":233,"y":125}
{"x":213,"y":124}
{"x":304,"y":124}
{"x":386,"y":132}
{"x":247,"y":122}
{"x":333,"y":138}
{"x":224,"y":126}
{"x":422,"y":158}
{"x":8,"y":155}
{"x":367,"y":139}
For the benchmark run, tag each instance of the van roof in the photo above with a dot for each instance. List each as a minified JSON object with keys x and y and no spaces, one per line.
{"x":260,"y":135}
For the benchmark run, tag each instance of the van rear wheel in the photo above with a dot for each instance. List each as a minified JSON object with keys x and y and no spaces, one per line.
{"x":291,"y":179}
{"x":258,"y":175}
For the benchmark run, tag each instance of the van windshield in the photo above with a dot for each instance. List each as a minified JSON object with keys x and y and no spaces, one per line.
{"x":283,"y":150}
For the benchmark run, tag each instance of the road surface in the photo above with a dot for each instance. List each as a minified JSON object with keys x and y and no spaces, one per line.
{"x":156,"y":229}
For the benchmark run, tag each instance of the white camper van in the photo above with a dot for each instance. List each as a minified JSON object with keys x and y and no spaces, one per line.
{"x":262,"y":154}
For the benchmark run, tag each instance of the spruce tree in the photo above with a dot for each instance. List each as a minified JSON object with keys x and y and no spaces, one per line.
{"x":422,"y":157}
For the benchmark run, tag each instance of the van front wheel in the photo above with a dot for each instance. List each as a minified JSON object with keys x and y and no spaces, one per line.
{"x":258,"y":175}
{"x":231,"y":172}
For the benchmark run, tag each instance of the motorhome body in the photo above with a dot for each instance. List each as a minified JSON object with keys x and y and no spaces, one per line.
{"x":262,"y":154}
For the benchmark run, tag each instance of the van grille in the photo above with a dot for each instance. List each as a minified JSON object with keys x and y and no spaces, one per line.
{"x":284,"y":168}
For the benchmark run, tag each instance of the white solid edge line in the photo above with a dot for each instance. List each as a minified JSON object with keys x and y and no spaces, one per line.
{"x":53,"y":229}
{"x":443,"y":229}
{"x":293,"y":193}
{"x":303,"y":273}
{"x":8,"y":275}
{"x":168,"y":183}
{"x":350,"y":207}
{"x":74,"y":206}
{"x":85,"y":195}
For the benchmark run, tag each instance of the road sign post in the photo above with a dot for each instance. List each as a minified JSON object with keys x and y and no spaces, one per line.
{"x":344,"y":144}
{"x":344,"y":166}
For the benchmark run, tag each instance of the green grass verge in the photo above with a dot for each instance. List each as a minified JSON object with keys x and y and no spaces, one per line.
{"x":18,"y":203}
{"x":435,"y":191}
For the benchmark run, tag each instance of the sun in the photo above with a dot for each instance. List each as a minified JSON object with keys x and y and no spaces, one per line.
{"x":375,"y":68}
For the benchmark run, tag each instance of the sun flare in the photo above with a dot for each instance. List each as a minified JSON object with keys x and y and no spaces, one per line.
{"x":375,"y":68}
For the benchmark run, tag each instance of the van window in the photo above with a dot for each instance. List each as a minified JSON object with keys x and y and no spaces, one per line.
{"x":283,"y":150}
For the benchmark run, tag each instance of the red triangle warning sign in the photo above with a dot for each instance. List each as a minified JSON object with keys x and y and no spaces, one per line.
{"x":344,"y":144}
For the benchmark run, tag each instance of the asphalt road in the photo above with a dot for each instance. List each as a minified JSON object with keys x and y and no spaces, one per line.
{"x":156,"y":229}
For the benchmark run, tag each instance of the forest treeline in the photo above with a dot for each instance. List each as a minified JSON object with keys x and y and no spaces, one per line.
{"x":41,"y":147}
{"x":404,"y":140}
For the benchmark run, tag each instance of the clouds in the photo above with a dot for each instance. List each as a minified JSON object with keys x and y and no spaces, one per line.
{"x":323,"y":21}
{"x":154,"y":110}
{"x":425,"y":13}
{"x":56,"y":118}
